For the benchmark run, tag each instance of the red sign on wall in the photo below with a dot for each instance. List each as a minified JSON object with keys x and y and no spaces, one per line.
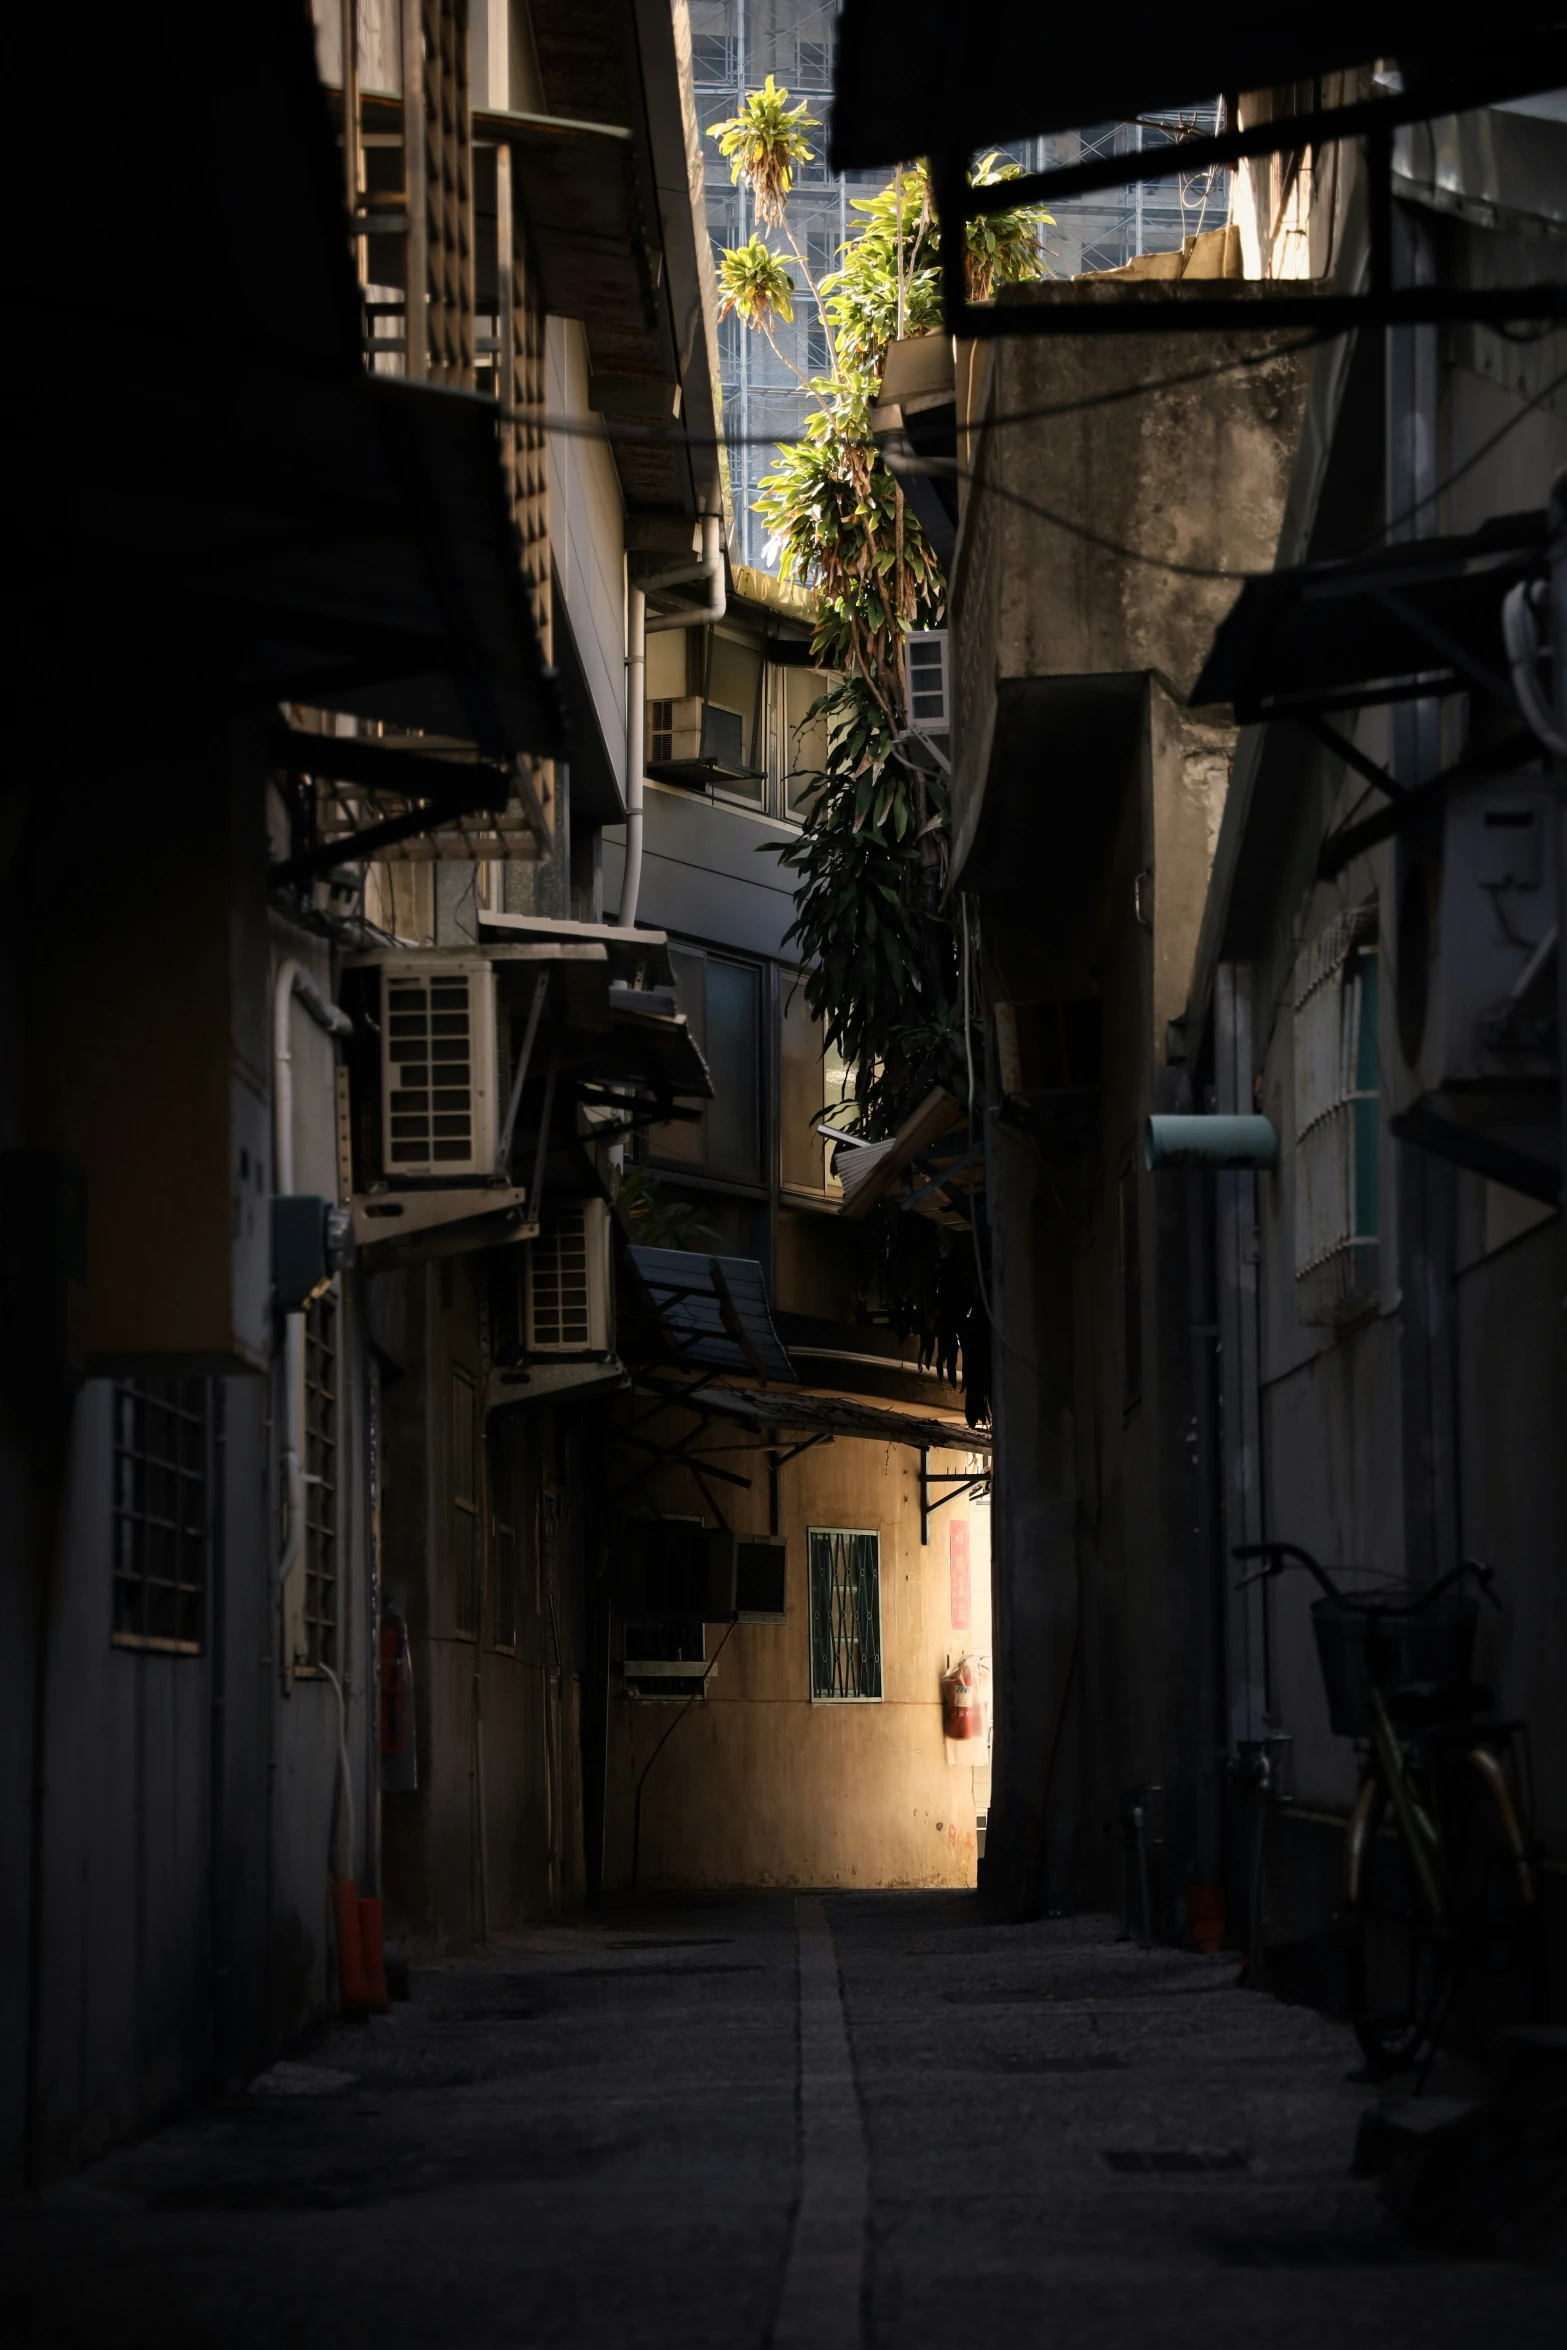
{"x":962,"y":1611}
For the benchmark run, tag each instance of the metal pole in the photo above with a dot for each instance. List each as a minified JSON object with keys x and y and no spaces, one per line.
{"x":416,"y":334}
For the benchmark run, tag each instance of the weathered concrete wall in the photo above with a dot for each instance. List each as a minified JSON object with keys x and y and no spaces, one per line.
{"x":761,"y":1786}
{"x":525,"y":1692}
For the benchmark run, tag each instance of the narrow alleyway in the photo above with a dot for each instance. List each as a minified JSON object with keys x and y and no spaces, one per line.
{"x":657,"y":2130}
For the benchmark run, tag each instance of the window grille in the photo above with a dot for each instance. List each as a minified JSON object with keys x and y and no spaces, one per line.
{"x":321,"y":1481}
{"x":465,"y":1502}
{"x":162,"y":1531}
{"x":845,"y":1615}
{"x":1337,"y":1120}
{"x":661,"y":730}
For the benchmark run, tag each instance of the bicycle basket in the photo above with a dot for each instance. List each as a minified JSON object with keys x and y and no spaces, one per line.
{"x":1356,"y":1646}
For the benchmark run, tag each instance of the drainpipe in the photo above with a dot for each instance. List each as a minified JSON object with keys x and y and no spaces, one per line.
{"x":710,"y":570}
{"x":293,"y":980}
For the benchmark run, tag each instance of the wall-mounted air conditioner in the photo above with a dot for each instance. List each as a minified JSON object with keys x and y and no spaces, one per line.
{"x":1477,"y":922}
{"x":569,"y":1281}
{"x":698,"y":742}
{"x":427,"y":1100}
{"x":438,"y":1074}
{"x":930,"y":685}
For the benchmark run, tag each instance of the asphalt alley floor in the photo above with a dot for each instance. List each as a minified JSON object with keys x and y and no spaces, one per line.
{"x":846,"y":2122}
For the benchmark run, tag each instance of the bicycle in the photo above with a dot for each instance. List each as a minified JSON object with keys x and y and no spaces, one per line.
{"x":1441,"y":1905}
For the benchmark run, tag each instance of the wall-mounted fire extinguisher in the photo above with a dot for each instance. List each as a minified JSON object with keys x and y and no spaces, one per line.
{"x":399,"y":1753}
{"x":963,"y":1707}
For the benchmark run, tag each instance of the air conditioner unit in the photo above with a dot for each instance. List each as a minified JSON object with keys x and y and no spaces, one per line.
{"x":1477,"y":915}
{"x":693,"y":741}
{"x":438,"y":1070}
{"x":930,"y":688}
{"x":419,"y":1134}
{"x":568,"y":1295}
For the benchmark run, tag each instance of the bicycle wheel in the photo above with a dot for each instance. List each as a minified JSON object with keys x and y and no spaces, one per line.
{"x":1398,"y":1961}
{"x":1493,"y":1913}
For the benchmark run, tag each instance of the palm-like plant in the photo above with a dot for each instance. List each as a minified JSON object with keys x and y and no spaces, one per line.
{"x":754,"y":283}
{"x":764,"y":143}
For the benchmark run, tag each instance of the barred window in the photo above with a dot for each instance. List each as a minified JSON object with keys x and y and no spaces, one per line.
{"x":465,"y":1502}
{"x":162,"y":1530}
{"x":845,"y":1614}
{"x":321,"y":1447}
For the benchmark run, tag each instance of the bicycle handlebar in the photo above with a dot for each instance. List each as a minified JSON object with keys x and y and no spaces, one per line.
{"x":1281,"y":1555}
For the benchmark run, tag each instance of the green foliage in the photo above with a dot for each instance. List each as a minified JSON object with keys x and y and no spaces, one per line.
{"x":764,"y":142}
{"x":656,"y":1222}
{"x":871,"y":859}
{"x":754,"y":283}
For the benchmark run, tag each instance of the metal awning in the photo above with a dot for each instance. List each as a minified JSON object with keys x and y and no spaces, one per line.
{"x":826,"y":1415}
{"x":637,"y":957}
{"x":712,"y":1311}
{"x":930,"y":1166}
{"x":1412,"y":620}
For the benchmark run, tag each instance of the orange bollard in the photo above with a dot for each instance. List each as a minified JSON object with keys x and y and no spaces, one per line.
{"x":350,"y":1946}
{"x":1205,"y":1915}
{"x":374,"y":1953}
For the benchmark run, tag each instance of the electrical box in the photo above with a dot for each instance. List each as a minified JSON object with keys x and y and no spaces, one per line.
{"x":569,"y":1281}
{"x":43,"y":1279}
{"x":147,"y":1039}
{"x":1477,"y":914}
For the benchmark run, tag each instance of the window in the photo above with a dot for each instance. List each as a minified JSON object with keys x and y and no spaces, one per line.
{"x":805,"y":738}
{"x":162,"y":1534}
{"x":1337,"y":1119}
{"x":321,"y":1318}
{"x":1131,"y":1292}
{"x":465,"y":1503}
{"x":813,"y":1085}
{"x":722,"y":1000}
{"x":845,"y":1615}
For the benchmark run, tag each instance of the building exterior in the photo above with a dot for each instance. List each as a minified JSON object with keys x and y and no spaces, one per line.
{"x":1179,"y":913}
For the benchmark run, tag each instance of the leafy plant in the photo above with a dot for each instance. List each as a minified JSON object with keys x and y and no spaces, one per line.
{"x":654,"y":1221}
{"x":871,"y":858}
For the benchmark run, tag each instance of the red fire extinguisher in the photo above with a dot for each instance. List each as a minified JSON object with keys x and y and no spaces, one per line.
{"x":963,"y":1700}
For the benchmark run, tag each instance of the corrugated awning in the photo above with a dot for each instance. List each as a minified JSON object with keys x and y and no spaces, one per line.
{"x":930,"y":1165}
{"x":712,"y":1311}
{"x":828,"y":1415}
{"x":1425,"y":615}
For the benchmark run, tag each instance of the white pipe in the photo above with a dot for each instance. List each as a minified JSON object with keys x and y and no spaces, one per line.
{"x":639,"y":626}
{"x":636,"y":720}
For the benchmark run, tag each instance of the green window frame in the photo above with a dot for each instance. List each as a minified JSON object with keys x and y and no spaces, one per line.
{"x":845,"y":1578}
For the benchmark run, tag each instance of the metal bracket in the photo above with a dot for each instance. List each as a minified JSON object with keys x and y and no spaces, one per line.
{"x":969,"y":1481}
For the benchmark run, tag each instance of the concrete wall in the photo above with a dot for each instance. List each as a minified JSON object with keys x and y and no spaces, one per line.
{"x":586,"y":537}
{"x":526,"y":1693}
{"x":761,"y":1786}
